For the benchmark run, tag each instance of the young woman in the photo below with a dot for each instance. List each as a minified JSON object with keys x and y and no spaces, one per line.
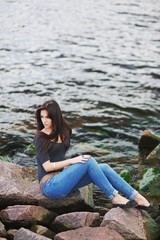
{"x":59,"y":176}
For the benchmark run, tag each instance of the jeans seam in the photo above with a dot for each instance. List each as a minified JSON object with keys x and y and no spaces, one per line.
{"x":103,"y":183}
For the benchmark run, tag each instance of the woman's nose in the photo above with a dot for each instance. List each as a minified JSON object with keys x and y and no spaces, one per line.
{"x":45,"y":120}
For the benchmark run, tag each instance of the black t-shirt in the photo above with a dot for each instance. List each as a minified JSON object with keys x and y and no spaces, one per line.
{"x":55,"y":153}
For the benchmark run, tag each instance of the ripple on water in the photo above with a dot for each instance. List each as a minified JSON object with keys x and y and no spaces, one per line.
{"x":99,"y":60}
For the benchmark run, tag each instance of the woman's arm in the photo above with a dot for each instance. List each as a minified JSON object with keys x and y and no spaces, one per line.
{"x":53,"y":166}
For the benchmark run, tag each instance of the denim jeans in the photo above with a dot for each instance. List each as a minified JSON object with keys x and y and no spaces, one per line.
{"x":81,"y":174}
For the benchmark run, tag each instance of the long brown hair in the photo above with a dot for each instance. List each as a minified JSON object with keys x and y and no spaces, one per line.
{"x":61,"y":127}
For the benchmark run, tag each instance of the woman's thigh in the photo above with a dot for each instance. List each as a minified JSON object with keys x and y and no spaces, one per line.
{"x":63,"y":183}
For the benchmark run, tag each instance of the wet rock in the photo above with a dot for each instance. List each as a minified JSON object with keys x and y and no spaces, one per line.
{"x":147,"y":143}
{"x":151,"y":226}
{"x":25,"y":190}
{"x":126,"y":175}
{"x":129,"y":223}
{"x":76,"y":220}
{"x":89,"y":233}
{"x":30,"y":150}
{"x":27,"y":213}
{"x":26,"y":234}
{"x":150,"y":182}
{"x":154,"y":156}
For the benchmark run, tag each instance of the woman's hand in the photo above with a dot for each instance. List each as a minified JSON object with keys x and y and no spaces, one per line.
{"x":53,"y":166}
{"x":80,"y":159}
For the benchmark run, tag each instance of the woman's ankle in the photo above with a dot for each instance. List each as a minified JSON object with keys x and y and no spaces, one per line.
{"x":118,"y":199}
{"x":141,"y":200}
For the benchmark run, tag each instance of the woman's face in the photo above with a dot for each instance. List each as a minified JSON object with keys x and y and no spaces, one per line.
{"x":47,"y":122}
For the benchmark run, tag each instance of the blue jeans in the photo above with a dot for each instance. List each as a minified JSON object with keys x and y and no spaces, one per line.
{"x":81,"y":174}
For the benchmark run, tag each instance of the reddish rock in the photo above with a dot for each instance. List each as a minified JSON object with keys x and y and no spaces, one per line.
{"x":19,"y":185}
{"x":79,"y":219}
{"x":26,"y":234}
{"x":129,"y":223}
{"x":27,"y":213}
{"x":89,"y":233}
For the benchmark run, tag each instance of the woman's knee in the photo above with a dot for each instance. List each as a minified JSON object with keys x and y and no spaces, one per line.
{"x":92,"y":160}
{"x":106,"y":168}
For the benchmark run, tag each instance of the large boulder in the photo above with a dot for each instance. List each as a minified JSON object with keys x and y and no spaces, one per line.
{"x":19,"y":185}
{"x":130,"y":223}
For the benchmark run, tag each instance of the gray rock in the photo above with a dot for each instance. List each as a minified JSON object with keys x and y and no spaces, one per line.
{"x":26,"y":234}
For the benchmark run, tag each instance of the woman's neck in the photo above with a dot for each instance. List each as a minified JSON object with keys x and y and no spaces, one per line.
{"x":47,"y":131}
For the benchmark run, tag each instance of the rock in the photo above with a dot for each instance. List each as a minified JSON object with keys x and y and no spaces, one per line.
{"x":89,"y":233}
{"x":11,"y":233}
{"x":147,"y":143}
{"x":41,"y":230}
{"x":152,"y":228}
{"x":26,"y":234}
{"x":18,"y":186}
{"x":154,"y":156}
{"x":150,"y":182}
{"x":76,"y":220}
{"x":129,"y":223}
{"x":30,"y":150}
{"x":2,"y":230}
{"x":126,"y":175}
{"x":27,"y":213}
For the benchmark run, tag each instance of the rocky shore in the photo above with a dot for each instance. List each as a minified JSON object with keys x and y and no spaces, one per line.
{"x":25,"y":213}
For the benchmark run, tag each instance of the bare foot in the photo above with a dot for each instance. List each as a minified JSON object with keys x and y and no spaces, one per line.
{"x":118,"y":199}
{"x":141,"y":200}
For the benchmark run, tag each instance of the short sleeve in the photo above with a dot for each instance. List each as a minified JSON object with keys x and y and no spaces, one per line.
{"x":41,"y":153}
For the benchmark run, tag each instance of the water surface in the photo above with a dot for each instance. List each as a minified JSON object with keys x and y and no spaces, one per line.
{"x":98,"y":59}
